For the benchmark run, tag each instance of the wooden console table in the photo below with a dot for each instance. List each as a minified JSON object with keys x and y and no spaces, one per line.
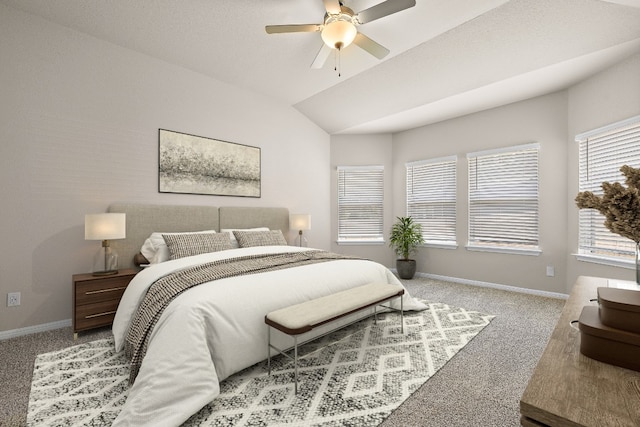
{"x":569,"y":389}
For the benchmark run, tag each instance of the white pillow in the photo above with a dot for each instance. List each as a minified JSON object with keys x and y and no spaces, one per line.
{"x":155,"y":249}
{"x":234,"y":241}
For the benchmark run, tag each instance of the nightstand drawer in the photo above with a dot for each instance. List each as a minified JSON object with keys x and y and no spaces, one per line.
{"x":90,"y":316}
{"x":103,"y":289}
{"x":96,"y":298}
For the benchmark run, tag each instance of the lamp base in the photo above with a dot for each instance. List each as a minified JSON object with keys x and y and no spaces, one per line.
{"x":104,"y":273}
{"x":301,"y":241}
{"x":105,"y":262}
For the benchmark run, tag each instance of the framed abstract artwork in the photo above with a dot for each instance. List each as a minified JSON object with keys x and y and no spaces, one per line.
{"x":198,"y":165}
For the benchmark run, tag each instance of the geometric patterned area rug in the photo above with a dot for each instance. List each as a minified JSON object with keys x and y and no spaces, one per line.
{"x":355,"y":376}
{"x":83,"y":385}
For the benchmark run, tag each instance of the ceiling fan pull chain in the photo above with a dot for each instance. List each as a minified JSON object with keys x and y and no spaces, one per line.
{"x":337,"y":60}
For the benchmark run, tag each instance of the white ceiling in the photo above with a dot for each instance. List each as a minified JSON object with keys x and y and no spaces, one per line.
{"x":448,"y":57}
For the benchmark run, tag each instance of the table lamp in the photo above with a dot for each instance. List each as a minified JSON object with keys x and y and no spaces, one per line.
{"x":300,"y":222}
{"x":105,"y":227}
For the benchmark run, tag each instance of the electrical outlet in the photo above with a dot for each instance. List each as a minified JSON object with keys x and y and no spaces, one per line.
{"x":550,"y":271}
{"x":13,"y":299}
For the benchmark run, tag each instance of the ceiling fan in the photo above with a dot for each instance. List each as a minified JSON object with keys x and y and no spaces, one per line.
{"x":339,"y":28}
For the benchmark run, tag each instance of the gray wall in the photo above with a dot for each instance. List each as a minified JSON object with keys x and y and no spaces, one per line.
{"x":363,"y":150}
{"x":541,"y":120}
{"x":553,"y":121}
{"x":79,"y":122}
{"x":607,"y":97}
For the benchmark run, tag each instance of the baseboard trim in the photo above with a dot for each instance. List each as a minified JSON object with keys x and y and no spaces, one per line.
{"x":14,"y":333}
{"x":493,"y":285}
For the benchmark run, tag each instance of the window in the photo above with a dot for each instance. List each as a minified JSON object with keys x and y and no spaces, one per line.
{"x":431,"y":198}
{"x":360,"y":204}
{"x":602,"y":152}
{"x":503,"y":199}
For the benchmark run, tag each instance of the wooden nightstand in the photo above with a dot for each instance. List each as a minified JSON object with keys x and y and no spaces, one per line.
{"x":96,"y":298}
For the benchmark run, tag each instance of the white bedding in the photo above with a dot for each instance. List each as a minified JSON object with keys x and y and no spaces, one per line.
{"x":216,"y":329}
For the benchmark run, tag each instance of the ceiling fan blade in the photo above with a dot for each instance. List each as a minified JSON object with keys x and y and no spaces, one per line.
{"x":294,"y":28}
{"x":322,"y":56}
{"x":370,"y":46}
{"x":332,"y":6}
{"x":383,"y":9}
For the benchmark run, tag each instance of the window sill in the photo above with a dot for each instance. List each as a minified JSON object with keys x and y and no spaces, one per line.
{"x":612,"y":262}
{"x":505,"y":250}
{"x":360,"y":242}
{"x":440,"y":245}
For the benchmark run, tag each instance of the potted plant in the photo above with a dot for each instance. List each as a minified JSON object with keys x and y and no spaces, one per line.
{"x":405,"y":237}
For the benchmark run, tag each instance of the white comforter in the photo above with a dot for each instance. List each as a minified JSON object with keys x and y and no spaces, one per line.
{"x":217,"y":329}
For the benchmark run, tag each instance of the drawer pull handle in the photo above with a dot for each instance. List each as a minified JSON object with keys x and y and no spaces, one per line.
{"x":106,"y":313}
{"x":573,"y":324}
{"x":100,"y":291}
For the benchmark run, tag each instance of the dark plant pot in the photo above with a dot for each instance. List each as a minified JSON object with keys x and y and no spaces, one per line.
{"x":406,"y":268}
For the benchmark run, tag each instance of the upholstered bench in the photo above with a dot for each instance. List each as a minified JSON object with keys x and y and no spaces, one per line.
{"x":304,"y":317}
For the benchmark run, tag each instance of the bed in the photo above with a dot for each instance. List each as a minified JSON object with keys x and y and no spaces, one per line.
{"x":208,"y":332}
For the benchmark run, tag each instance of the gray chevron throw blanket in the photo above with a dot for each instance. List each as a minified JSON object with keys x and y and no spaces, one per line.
{"x":165,"y":289}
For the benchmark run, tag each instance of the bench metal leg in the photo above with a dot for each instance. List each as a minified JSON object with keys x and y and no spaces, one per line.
{"x":295,"y":352}
{"x":393,"y":309}
{"x":401,"y":315}
{"x":269,"y":349}
{"x":294,"y":358}
{"x":295,"y":361}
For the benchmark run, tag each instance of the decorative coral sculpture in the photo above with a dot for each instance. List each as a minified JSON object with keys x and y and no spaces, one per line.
{"x":620,"y":207}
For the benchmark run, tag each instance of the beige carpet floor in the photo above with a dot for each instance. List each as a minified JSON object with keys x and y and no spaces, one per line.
{"x":481,"y":385}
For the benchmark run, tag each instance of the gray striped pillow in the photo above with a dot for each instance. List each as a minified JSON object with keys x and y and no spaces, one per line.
{"x":248,"y":239}
{"x":183,"y":245}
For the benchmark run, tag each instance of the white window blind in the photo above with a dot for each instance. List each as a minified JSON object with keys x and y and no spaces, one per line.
{"x":431,"y":198}
{"x":602,"y":152}
{"x":503,"y":198}
{"x":360,"y":204}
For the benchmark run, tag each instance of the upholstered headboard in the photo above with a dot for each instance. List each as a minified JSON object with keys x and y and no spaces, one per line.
{"x":144,"y":219}
{"x":243,"y":217}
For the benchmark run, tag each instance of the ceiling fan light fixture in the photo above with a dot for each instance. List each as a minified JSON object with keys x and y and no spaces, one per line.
{"x":339,"y":34}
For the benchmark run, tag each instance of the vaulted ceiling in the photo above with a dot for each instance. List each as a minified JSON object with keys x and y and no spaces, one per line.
{"x":448,"y":57}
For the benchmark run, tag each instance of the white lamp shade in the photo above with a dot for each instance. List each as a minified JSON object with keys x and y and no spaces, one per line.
{"x":300,"y":222}
{"x":339,"y":34}
{"x":105,"y":226}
